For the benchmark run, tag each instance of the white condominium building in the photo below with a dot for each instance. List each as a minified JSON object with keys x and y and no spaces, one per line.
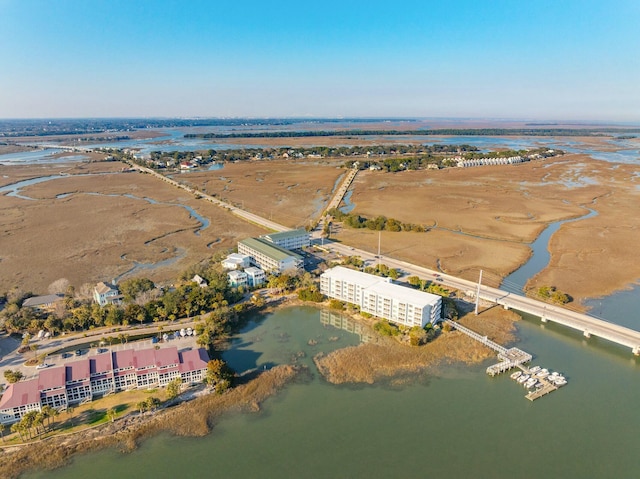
{"x":295,"y":239}
{"x":270,"y":257}
{"x":381,"y":297}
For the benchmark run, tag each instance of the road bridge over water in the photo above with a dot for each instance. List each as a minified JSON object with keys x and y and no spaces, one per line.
{"x":587,"y":325}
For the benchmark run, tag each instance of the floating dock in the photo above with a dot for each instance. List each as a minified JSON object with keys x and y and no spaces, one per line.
{"x":509,"y":359}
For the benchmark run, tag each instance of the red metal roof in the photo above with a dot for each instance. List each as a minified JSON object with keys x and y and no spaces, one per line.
{"x":52,"y":378}
{"x":102,"y":363}
{"x":143,"y":358}
{"x":193,"y":360}
{"x":20,"y":394}
{"x":167,"y":357}
{"x":123,"y":359}
{"x":77,"y":370}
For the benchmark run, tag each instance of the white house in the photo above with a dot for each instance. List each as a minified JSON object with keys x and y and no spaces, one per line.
{"x":106,"y":293}
{"x":236,"y":261}
{"x":381,"y":297}
{"x":255,"y":276}
{"x":237,"y":278}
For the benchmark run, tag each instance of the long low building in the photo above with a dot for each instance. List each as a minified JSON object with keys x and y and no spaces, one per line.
{"x":270,"y":257}
{"x":102,"y":374}
{"x":381,"y":297}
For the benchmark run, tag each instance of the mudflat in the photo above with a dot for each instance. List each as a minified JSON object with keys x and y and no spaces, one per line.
{"x":97,"y":227}
{"x":290,"y":192}
{"x":484,"y":217}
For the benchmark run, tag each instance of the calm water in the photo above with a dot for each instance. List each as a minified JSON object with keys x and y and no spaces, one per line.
{"x":459,"y":424}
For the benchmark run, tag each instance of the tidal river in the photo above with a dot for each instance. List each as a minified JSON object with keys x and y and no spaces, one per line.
{"x":458,"y":424}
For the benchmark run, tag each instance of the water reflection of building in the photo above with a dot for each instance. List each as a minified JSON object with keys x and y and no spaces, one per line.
{"x":341,"y":321}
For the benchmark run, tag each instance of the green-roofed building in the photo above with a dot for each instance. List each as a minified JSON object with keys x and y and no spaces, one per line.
{"x":294,"y":239}
{"x":270,"y":257}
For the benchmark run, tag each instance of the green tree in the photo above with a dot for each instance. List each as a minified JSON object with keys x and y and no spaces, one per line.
{"x":13,"y":376}
{"x":173,"y":388}
{"x":336,"y":304}
{"x":131,"y":288}
{"x":219,"y":375}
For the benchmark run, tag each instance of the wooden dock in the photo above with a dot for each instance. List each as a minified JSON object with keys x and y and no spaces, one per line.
{"x":509,"y":359}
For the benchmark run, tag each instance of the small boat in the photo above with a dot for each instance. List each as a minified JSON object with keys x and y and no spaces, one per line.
{"x":560,"y":382}
{"x":530,"y":382}
{"x":535,"y":369}
{"x":516,"y":375}
{"x":543,"y":373}
{"x":523,"y":378}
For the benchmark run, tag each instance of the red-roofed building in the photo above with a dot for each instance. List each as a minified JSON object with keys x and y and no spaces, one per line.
{"x":168,"y":365}
{"x":78,"y":381}
{"x":101,"y":373}
{"x":124,"y":370}
{"x":193,"y":365}
{"x":18,"y":399}
{"x":97,"y":375}
{"x":51,"y":384}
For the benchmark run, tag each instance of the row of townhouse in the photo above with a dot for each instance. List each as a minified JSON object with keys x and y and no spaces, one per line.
{"x":382,"y":298}
{"x":104,"y":373}
{"x":512,"y":160}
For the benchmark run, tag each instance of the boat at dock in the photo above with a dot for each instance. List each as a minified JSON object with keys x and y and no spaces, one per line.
{"x":530,"y":382}
{"x":543,"y":373}
{"x":516,"y":375}
{"x":535,"y":369}
{"x":523,"y":378}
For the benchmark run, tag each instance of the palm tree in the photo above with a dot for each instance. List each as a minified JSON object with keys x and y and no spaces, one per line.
{"x":142,"y":406}
{"x":38,"y":420}
{"x":48,"y":412}
{"x":34,"y":348}
{"x":19,"y":428}
{"x":111,"y":413}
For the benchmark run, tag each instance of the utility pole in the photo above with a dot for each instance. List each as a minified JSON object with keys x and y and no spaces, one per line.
{"x":478,"y":293}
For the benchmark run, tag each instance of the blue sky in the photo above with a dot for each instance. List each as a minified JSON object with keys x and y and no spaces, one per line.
{"x":542,"y":59}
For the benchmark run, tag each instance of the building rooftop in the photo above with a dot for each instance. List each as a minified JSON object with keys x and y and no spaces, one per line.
{"x":404,"y":293}
{"x":40,"y":300}
{"x":193,"y":360}
{"x":381,"y":286}
{"x":20,"y":394}
{"x":77,"y":370}
{"x":103,"y":287}
{"x":252,"y":270}
{"x":237,"y":274}
{"x":269,"y":249}
{"x":286,"y":234}
{"x":167,"y":357}
{"x":347,"y":274}
{"x":236,"y":257}
{"x":101,"y":363}
{"x":53,"y":378}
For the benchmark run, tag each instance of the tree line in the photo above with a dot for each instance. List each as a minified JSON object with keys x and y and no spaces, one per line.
{"x":421,"y":132}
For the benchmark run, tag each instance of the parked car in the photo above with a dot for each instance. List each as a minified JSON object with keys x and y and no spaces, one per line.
{"x":43,"y":366}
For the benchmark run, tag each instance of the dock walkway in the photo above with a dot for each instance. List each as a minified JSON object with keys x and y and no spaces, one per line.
{"x":509,"y":358}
